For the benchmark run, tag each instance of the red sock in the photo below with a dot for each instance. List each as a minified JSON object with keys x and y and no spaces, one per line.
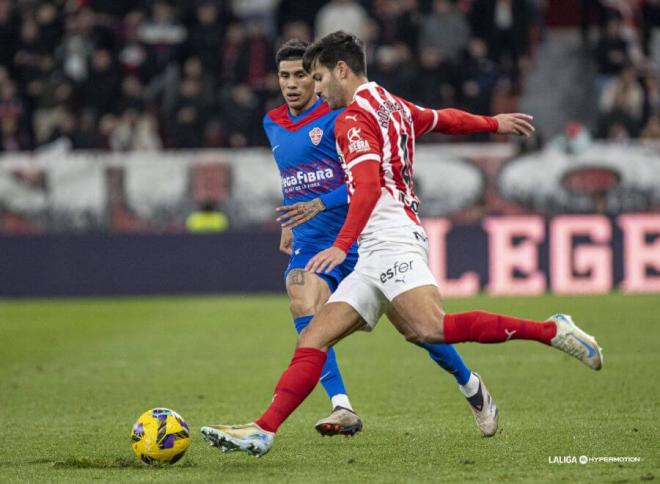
{"x":483,"y":327}
{"x":295,"y":384}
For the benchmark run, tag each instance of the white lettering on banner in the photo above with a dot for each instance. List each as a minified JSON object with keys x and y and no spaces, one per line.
{"x":514,"y":249}
{"x":157,"y":190}
{"x":467,"y":284}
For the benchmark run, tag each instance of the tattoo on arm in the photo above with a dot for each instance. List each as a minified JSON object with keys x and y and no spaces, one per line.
{"x":300,"y":212}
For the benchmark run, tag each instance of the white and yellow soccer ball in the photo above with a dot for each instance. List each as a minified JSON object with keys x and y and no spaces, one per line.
{"x":160,"y":436}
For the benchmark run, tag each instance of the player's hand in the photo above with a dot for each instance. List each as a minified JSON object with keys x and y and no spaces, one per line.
{"x":286,"y":241}
{"x":515,"y":123}
{"x":293,"y":215}
{"x":326,"y":260}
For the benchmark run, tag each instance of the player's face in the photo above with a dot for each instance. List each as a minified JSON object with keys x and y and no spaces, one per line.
{"x":297,"y":86}
{"x":328,"y":86}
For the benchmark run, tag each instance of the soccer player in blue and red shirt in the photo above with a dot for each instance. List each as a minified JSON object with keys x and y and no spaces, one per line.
{"x":301,"y":134}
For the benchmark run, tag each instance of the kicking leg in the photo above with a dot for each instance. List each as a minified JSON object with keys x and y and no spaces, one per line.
{"x":307,"y":294}
{"x":426,"y":322}
{"x":330,"y":325}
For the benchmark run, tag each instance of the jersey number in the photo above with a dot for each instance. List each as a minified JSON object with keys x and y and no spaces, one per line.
{"x":406,"y":175}
{"x":405,"y":163}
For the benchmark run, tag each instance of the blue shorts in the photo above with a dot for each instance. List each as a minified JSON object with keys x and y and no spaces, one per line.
{"x":302,"y":255}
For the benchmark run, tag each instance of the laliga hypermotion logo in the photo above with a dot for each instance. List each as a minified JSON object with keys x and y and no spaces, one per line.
{"x":355,"y":141}
{"x":316,"y":135}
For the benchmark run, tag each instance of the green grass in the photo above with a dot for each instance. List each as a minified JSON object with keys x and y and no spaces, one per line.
{"x":75,"y":374}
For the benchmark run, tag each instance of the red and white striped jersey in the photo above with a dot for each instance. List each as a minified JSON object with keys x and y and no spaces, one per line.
{"x":378,"y":126}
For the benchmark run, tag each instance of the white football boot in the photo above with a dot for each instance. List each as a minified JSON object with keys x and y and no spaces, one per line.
{"x":341,"y":421}
{"x":248,"y":438}
{"x":572,"y":340}
{"x":484,"y":410}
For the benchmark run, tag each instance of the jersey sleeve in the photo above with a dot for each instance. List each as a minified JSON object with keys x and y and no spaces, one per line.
{"x":359,"y":143}
{"x":266,"y":124}
{"x":358,"y":140}
{"x":449,"y":121}
{"x":366,"y":182}
{"x":336,"y":198}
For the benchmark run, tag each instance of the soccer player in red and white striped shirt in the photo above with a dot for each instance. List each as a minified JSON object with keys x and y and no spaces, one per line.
{"x":375,"y":138}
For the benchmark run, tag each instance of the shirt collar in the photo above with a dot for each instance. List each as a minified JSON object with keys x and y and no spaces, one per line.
{"x":305,"y":112}
{"x":363,"y":87}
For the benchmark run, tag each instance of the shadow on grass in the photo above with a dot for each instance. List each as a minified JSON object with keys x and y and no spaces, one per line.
{"x":117,"y":463}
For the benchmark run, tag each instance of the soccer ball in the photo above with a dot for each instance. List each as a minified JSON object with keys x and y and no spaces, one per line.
{"x":160,"y":435}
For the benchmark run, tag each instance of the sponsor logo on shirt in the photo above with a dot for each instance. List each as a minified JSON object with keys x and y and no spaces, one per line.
{"x":318,"y":175}
{"x":316,"y":135}
{"x":355,"y":142}
{"x":307,"y":177}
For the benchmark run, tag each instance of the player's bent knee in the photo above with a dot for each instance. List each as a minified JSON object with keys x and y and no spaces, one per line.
{"x":431,"y":336}
{"x":431,"y":332}
{"x":413,"y":338}
{"x":303,"y":301}
{"x":302,"y":307}
{"x":424,"y":337}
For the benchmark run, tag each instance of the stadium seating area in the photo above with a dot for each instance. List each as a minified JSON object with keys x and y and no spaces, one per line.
{"x":627,"y":58}
{"x":134,"y":74}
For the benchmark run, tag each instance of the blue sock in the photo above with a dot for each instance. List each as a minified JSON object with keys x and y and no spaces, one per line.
{"x":448,"y":358}
{"x":330,"y":376}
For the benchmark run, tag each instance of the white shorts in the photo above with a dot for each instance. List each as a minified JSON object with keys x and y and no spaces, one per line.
{"x":388,"y":267}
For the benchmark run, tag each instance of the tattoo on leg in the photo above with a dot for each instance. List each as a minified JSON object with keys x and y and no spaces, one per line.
{"x":296,"y":277}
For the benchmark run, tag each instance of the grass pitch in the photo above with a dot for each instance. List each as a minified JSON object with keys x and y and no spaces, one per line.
{"x":76,"y":374}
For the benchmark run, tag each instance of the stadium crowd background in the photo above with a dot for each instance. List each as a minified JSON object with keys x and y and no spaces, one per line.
{"x":141,"y":74}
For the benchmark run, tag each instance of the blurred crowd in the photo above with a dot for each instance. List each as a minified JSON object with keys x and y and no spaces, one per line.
{"x":144,"y":74}
{"x":627,"y":54}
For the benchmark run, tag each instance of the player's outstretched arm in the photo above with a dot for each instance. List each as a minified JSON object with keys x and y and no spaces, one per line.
{"x":515,"y":123}
{"x":298,"y":213}
{"x":286,"y":241}
{"x":455,"y":121}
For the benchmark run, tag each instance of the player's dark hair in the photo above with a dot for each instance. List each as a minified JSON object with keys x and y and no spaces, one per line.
{"x":335,"y":47}
{"x":293,"y":49}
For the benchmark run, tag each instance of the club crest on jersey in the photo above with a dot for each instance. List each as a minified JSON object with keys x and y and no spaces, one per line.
{"x":316,"y":135}
{"x":355,"y":141}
